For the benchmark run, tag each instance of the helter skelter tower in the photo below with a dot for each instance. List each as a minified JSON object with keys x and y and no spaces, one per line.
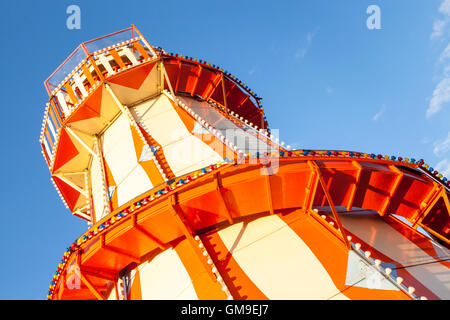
{"x":189,"y":195}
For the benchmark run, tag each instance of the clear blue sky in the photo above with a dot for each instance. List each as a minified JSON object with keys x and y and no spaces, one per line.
{"x":326,"y":79}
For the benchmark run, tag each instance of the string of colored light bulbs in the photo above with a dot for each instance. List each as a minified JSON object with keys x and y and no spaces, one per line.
{"x":438,"y":176}
{"x":421,"y":163}
{"x":103,"y":226}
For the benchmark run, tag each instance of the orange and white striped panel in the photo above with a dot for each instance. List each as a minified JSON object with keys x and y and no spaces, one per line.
{"x":260,"y":259}
{"x":120,"y":155}
{"x":278,"y":257}
{"x":183,"y":151}
{"x":277,"y":260}
{"x":165,"y":278}
{"x":176,"y":273}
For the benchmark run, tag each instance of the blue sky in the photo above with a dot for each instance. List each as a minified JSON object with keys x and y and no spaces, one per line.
{"x":326,"y":79}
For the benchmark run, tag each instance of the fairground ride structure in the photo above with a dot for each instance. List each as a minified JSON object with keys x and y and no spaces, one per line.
{"x":190,"y":195}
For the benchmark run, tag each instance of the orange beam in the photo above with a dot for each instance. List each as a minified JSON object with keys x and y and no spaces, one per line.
{"x":117,"y":58}
{"x":97,"y":70}
{"x":141,"y":50}
{"x":71,"y":93}
{"x":48,"y":137}
{"x":243,"y":101}
{"x":142,"y":37}
{"x":330,"y":202}
{"x":187,"y":231}
{"x":91,"y":287}
{"x":99,"y":273}
{"x":88,"y":74}
{"x":355,"y":185}
{"x":200,"y":69}
{"x":118,"y":250}
{"x":158,"y":242}
{"x":416,"y":231}
{"x":311,"y":189}
{"x":434,"y":233}
{"x":219,"y":188}
{"x":58,"y":112}
{"x":217,"y":80}
{"x":179,"y":75}
{"x":63,"y":285}
{"x":86,"y":281}
{"x":269,"y":191}
{"x":262,"y":118}
{"x":394,"y":188}
{"x":234,"y":85}
{"x":224,"y":95}
{"x":52,"y":115}
{"x":47,"y":159}
{"x":325,"y":224}
{"x":430,"y":206}
{"x":426,"y":204}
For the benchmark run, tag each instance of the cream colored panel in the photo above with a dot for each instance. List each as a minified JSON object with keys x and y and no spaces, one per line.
{"x":120,"y":155}
{"x":189,"y":154}
{"x":158,"y":118}
{"x":112,"y":295}
{"x":97,"y":188}
{"x":188,"y":294}
{"x":105,"y":62}
{"x":164,"y":277}
{"x":279,"y":263}
{"x":79,"y":84}
{"x":184,"y":152}
{"x":119,"y":130}
{"x":370,"y":228}
{"x":130,"y":55}
{"x":136,"y":183}
{"x":118,"y":149}
{"x":62,"y":102}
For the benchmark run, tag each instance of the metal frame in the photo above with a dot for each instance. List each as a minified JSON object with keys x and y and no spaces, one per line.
{"x":355,"y":185}
{"x":330,"y":202}
{"x":222,"y":199}
{"x":188,"y":233}
{"x":394,"y":188}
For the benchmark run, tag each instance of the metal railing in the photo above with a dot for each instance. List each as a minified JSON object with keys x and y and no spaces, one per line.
{"x":82,"y":72}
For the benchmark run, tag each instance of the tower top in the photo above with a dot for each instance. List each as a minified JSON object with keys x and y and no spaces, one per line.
{"x":91,"y":49}
{"x":104,"y":77}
